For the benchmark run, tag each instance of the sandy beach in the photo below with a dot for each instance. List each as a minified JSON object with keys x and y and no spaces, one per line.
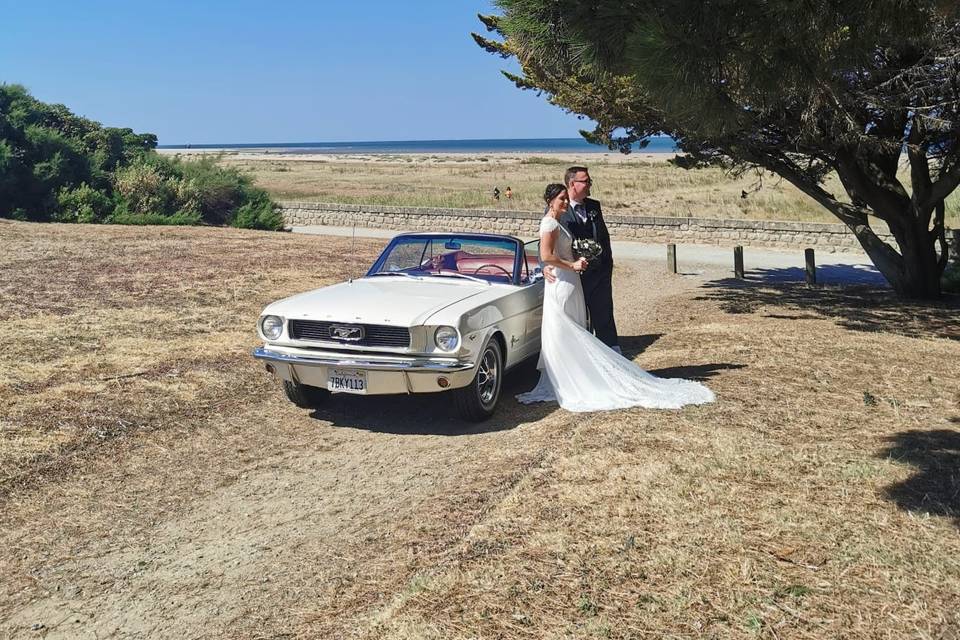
{"x":260,"y":154}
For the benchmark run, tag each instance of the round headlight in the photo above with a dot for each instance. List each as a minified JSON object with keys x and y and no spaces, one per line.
{"x":446,"y":338}
{"x":271,"y":327}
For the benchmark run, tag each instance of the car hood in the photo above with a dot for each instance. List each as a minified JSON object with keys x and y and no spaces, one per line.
{"x":384,"y":300}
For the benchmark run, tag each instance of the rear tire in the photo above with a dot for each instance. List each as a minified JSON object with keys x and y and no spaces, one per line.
{"x":305,"y":396}
{"x":478,"y":400}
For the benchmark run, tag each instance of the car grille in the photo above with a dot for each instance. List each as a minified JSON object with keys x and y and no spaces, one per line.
{"x":374,"y":335}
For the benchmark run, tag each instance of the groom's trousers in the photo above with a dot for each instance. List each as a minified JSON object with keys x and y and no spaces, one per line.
{"x":598,"y":294}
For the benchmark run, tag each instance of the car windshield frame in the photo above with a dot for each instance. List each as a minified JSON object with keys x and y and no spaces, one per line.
{"x":432,"y":239}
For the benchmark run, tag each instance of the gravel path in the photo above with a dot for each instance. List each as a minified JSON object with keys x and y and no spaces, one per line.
{"x":694,"y":259}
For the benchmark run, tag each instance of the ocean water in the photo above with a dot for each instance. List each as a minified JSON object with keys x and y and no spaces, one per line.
{"x":662,"y":144}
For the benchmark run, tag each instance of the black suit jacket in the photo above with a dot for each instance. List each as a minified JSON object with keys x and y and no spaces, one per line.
{"x":594,"y":228}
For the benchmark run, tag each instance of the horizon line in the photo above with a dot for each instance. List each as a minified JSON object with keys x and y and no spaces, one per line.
{"x":341,"y":142}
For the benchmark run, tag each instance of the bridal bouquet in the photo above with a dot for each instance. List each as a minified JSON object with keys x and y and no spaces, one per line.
{"x":586,"y":248}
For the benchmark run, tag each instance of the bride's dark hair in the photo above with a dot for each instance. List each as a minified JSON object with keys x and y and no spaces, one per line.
{"x":552,"y":191}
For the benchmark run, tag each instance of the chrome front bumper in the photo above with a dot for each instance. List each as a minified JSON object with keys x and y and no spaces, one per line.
{"x":385,"y":374}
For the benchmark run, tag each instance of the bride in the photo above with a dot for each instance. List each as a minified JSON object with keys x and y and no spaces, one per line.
{"x":576,"y":369}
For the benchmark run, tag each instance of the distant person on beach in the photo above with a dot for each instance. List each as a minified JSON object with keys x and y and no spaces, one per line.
{"x":496,"y":193}
{"x":508,"y":193}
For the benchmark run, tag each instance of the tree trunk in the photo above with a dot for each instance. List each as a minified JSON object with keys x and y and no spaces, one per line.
{"x":915,"y":271}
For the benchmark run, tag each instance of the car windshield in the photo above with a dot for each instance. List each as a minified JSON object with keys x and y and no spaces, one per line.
{"x":451,"y":256}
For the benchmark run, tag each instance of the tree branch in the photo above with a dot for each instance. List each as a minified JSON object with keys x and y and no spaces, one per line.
{"x":919,"y":171}
{"x":848,"y":214}
{"x":944,"y":186}
{"x":887,"y":198}
{"x":940,"y":230}
{"x":491,"y":46}
{"x":885,"y":257}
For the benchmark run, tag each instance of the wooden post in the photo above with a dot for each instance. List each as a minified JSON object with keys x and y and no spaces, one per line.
{"x":811,"y":266}
{"x":671,"y":258}
{"x":738,"y":263}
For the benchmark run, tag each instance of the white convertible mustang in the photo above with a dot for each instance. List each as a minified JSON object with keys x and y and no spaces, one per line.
{"x":437,"y":312}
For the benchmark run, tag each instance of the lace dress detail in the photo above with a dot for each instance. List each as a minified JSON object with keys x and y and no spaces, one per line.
{"x":581,"y":372}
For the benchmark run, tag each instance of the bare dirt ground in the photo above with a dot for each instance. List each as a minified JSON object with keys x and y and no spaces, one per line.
{"x":155,"y":483}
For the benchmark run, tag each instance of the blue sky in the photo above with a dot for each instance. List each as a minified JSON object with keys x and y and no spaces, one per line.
{"x":288,"y":71}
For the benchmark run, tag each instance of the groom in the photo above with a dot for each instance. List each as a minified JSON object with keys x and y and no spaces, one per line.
{"x":584,"y":219}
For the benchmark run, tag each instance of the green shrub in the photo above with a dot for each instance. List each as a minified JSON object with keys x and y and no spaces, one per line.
{"x":53,"y":163}
{"x":186,"y":218}
{"x":82,"y":204}
{"x":145,"y":188}
{"x":216,"y":191}
{"x":56,"y":165}
{"x":259,"y":212}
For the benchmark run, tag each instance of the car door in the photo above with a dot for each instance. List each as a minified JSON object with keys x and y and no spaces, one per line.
{"x":533,"y":295}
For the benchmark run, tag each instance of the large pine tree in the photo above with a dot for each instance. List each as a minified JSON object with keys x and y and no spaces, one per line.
{"x":797,"y":88}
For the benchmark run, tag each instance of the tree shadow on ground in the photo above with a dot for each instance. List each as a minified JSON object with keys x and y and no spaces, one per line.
{"x":830,"y":274}
{"x":435,"y":413}
{"x":632,"y":346}
{"x":858,"y":307}
{"x":698,"y":372}
{"x":935,"y":487}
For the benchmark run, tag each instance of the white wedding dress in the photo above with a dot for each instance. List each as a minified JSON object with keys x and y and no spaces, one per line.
{"x":581,"y":372}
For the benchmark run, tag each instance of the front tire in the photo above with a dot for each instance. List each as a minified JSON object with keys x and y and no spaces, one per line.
{"x":304,"y":396}
{"x":478,"y":400}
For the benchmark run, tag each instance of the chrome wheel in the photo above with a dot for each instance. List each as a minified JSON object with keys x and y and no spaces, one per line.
{"x":488,"y":377}
{"x":478,"y":400}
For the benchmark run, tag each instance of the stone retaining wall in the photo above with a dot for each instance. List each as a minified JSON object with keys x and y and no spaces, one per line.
{"x":756,"y":233}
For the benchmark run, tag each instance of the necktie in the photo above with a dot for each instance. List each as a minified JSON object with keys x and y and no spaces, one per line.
{"x":581,"y":212}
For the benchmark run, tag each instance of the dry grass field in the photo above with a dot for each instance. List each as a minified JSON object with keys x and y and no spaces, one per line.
{"x":154,"y":483}
{"x":645,"y":185}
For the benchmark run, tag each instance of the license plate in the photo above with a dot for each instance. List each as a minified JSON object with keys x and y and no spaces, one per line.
{"x":347,"y":381}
